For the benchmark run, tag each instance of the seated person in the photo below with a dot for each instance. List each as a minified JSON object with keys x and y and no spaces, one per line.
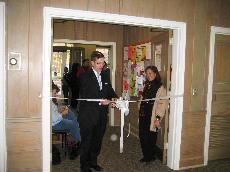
{"x":63,"y":119}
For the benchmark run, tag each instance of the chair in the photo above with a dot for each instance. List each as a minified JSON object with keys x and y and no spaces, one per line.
{"x":63,"y":135}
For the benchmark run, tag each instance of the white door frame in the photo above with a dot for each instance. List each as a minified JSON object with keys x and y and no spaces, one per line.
{"x":3,"y":154}
{"x":113,"y":45}
{"x":214,"y":31}
{"x":178,"y":65}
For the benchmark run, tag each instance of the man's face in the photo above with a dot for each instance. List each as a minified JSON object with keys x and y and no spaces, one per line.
{"x":54,"y":93}
{"x":98,"y":64}
{"x":86,"y":63}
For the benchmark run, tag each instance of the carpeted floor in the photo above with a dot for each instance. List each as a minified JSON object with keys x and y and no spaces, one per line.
{"x":128,"y":161}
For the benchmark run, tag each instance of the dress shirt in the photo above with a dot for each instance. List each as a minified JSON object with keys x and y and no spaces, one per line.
{"x":98,"y":76}
{"x":56,"y":116}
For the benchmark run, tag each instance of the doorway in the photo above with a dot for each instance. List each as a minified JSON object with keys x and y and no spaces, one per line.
{"x":2,"y":89}
{"x":217,"y":128}
{"x":178,"y":64}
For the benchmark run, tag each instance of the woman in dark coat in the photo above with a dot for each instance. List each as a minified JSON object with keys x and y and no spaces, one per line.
{"x":151,"y":113}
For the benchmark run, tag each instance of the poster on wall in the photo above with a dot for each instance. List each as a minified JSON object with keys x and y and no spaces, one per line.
{"x":157,"y":55}
{"x":132,"y":79}
{"x":136,"y":57}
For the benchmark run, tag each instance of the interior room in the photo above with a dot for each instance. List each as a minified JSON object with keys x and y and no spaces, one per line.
{"x":187,"y":40}
{"x":73,"y":42}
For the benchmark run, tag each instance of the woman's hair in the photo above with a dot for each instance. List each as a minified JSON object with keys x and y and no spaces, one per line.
{"x":74,"y":68}
{"x":155,"y":70}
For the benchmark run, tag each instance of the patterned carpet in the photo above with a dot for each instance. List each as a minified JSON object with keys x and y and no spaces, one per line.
{"x":112,"y":161}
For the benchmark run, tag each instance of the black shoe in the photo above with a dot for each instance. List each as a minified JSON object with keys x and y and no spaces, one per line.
{"x":150,"y":159}
{"x":96,"y":167}
{"x":86,"y":170}
{"x":147,"y":159}
{"x":142,"y":160}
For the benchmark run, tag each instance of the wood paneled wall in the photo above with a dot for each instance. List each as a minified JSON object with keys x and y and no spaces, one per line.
{"x":24,"y":34}
{"x":192,"y":139}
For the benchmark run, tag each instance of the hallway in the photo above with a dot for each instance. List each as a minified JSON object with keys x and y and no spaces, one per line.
{"x":112,"y":161}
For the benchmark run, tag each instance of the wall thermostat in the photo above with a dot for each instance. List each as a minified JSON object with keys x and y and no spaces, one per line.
{"x":14,"y":61}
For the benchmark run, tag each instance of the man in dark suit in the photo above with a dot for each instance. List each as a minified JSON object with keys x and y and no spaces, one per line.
{"x":93,"y":115}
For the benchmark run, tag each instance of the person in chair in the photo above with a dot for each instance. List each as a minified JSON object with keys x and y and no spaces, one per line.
{"x":63,"y":119}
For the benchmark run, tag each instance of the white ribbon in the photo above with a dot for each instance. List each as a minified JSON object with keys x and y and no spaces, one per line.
{"x":123,"y":106}
{"x":120,"y":99}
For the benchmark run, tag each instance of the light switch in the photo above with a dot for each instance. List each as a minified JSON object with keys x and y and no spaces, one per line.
{"x":14,"y":61}
{"x":194,"y":91}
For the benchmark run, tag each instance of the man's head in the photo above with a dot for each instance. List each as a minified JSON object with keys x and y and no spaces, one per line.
{"x":55,"y":90}
{"x":85,"y":63}
{"x":66,"y":70}
{"x":97,"y":61}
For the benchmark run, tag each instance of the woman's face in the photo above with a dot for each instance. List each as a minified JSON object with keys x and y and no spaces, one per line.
{"x":150,"y":75}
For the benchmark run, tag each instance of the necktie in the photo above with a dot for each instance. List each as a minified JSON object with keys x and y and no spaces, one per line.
{"x":99,"y":81}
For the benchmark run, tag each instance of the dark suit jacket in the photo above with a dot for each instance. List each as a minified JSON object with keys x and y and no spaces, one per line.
{"x":91,"y":112}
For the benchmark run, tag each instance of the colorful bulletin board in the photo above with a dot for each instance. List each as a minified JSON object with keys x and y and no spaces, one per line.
{"x":136,"y":59}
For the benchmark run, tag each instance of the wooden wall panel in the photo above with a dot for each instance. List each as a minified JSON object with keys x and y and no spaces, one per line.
{"x":96,"y":5}
{"x":188,"y":69}
{"x":68,"y":29}
{"x":112,"y":6}
{"x":35,"y":60}
{"x":79,"y":4}
{"x":24,"y":150}
{"x":125,"y":7}
{"x":18,"y":27}
{"x":178,"y":10}
{"x":198,"y":102}
{"x":218,"y":13}
{"x":59,"y":3}
{"x":192,"y":139}
{"x":57,"y":30}
{"x":80,"y":30}
{"x":24,"y":162}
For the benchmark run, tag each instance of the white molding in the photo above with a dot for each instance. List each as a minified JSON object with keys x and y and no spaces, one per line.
{"x":176,"y":105}
{"x":46,"y":123}
{"x":214,"y":31}
{"x":3,"y":154}
{"x":113,"y":45}
{"x":178,"y":64}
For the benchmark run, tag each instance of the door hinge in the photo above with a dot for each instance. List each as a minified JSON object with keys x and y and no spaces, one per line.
{"x":170,"y":41}
{"x":166,"y":146}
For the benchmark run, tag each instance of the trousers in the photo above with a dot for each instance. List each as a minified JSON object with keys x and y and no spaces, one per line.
{"x":147,"y":138}
{"x":69,"y":123}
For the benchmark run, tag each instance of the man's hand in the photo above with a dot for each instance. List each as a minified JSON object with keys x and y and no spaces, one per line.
{"x":157,"y":123}
{"x":64,"y":110}
{"x":113,"y":104}
{"x":105,"y":102}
